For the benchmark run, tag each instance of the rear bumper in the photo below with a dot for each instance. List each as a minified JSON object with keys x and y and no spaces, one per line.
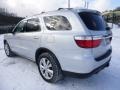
{"x":85,"y":75}
{"x":81,"y":61}
{"x":102,"y":57}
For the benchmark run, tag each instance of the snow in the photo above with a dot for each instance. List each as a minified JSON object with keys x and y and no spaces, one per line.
{"x":1,"y":42}
{"x":115,"y":26}
{"x":21,"y":74}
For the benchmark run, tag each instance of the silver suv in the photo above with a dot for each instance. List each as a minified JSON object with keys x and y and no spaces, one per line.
{"x":65,"y":41}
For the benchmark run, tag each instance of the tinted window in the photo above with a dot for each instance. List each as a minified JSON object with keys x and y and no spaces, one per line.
{"x":20,"y":27}
{"x":57,"y":23}
{"x":93,"y":21}
{"x":32,"y":25}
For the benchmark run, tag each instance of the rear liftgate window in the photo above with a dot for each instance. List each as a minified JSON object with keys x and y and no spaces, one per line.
{"x":93,"y":21}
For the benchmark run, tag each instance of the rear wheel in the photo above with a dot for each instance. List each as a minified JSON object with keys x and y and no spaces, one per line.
{"x":49,"y":68}
{"x":8,"y":51}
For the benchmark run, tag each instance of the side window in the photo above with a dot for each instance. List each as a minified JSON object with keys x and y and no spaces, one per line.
{"x":33,"y":25}
{"x":57,"y":23}
{"x":20,"y":27}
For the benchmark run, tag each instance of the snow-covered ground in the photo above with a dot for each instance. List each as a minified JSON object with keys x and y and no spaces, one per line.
{"x":21,"y":74}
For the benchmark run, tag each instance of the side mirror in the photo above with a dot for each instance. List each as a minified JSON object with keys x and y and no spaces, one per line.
{"x":108,"y":28}
{"x":13,"y":32}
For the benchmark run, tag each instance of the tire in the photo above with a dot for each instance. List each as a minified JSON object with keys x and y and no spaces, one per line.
{"x":53,"y":70}
{"x":8,"y":51}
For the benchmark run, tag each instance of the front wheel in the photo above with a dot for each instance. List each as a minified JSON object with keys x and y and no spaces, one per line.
{"x":49,"y":68}
{"x":8,"y":51}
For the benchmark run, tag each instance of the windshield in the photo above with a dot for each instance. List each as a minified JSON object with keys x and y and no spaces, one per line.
{"x":93,"y":21}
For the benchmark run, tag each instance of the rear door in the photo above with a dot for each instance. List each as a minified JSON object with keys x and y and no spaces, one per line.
{"x":96,"y":25}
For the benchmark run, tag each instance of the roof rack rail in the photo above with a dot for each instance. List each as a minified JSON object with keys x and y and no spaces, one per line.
{"x":60,"y":8}
{"x":42,"y":12}
{"x":64,"y":8}
{"x":38,"y":14}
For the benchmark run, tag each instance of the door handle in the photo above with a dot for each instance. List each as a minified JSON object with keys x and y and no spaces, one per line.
{"x":19,"y":37}
{"x":35,"y":37}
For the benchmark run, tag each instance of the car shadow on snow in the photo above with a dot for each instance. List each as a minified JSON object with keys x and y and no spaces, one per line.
{"x":103,"y":80}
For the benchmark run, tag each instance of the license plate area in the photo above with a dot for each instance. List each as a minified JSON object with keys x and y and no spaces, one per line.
{"x":107,"y":41}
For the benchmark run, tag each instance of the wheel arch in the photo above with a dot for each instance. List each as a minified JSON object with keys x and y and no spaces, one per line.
{"x":43,"y":50}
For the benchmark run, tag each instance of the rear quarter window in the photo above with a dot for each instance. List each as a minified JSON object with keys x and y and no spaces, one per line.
{"x":93,"y":21}
{"x":57,"y":23}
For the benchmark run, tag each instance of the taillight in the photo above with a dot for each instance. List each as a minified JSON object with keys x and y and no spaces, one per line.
{"x":88,"y":41}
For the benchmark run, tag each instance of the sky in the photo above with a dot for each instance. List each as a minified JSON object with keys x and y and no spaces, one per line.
{"x":31,"y":7}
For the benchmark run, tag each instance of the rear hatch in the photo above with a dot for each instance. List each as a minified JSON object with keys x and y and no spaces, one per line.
{"x":95,"y":24}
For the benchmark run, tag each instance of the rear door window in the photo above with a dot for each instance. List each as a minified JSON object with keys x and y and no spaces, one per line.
{"x":33,"y":25}
{"x":93,"y":21}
